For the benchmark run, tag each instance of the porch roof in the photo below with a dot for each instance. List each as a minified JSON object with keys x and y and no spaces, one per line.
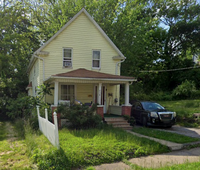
{"x":88,"y":75}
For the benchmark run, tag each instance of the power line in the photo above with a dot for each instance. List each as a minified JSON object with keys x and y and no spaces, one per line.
{"x":176,"y":69}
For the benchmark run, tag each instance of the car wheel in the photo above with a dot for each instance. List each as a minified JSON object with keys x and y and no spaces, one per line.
{"x":144,"y":121}
{"x":169,"y":126}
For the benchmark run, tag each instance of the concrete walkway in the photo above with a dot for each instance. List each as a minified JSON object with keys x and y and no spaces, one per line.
{"x":177,"y":156}
{"x":167,"y":159}
{"x":156,"y":161}
{"x":191,"y":132}
{"x":172,"y":146}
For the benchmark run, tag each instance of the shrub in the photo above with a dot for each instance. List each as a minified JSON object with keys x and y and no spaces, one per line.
{"x":130,"y":120}
{"x":186,"y":90}
{"x":82,"y":117}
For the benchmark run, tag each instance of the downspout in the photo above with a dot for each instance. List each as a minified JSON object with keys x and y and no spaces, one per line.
{"x":43,"y":65}
{"x":116,"y":68}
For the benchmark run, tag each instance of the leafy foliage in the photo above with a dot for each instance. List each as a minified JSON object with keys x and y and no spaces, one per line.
{"x":17,"y":41}
{"x":185,"y":90}
{"x":81,"y":116}
{"x":184,"y":110}
{"x":80,"y":148}
{"x":153,"y":35}
{"x":130,"y":120}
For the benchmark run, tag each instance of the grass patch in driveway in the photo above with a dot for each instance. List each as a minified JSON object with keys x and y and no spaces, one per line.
{"x":168,"y":136}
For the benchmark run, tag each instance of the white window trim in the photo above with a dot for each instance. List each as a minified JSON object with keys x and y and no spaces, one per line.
{"x":96,"y":68}
{"x":59,"y":91}
{"x":71,"y":57}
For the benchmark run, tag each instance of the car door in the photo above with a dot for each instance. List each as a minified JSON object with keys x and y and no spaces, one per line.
{"x":137,"y":111}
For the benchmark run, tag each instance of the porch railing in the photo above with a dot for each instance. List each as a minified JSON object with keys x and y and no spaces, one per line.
{"x":116,"y":110}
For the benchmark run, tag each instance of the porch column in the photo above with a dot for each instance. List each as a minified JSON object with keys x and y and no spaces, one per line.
{"x":99,"y":94}
{"x":56,"y":93}
{"x":127,"y":94}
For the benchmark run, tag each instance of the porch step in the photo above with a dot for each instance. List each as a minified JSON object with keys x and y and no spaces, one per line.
{"x":114,"y":119}
{"x":118,"y":122}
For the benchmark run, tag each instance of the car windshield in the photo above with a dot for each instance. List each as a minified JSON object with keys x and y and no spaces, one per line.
{"x":152,"y":106}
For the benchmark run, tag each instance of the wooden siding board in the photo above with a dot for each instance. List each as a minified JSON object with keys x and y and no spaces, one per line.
{"x":81,"y":29}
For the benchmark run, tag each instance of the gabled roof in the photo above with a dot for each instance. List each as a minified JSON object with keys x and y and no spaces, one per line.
{"x":96,"y":25}
{"x":88,"y":74}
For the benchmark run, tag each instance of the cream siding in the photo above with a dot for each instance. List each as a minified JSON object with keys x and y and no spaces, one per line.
{"x":50,"y":99}
{"x":84,"y":93}
{"x":114,"y":89}
{"x":83,"y":37}
{"x":40,"y":72}
{"x":34,"y":76}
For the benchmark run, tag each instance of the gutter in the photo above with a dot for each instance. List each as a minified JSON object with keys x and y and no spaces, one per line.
{"x":116,"y":68}
{"x":95,"y":79}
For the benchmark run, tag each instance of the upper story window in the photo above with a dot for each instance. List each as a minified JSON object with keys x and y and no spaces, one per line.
{"x":96,"y":59}
{"x":67,"y":57}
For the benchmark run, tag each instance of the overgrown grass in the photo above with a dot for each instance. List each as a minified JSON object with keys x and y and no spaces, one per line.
{"x":89,"y":147}
{"x":185,"y":166}
{"x":185,"y":110}
{"x":12,"y":149}
{"x":177,"y":138}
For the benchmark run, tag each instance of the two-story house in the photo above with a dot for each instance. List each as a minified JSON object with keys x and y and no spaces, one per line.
{"x":81,"y":63}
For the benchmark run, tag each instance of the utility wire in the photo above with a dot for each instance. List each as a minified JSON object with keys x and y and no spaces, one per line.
{"x":176,"y":69}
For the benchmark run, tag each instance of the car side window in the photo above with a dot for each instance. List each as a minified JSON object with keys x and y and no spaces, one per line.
{"x":138,"y":106}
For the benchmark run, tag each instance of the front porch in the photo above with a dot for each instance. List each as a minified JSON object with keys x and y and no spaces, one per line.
{"x":91,"y":87}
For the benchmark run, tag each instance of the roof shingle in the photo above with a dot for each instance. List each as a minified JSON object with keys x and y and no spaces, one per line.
{"x":83,"y":73}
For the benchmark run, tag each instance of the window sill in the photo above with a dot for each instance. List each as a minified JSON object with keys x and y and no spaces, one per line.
{"x":67,"y":67}
{"x":95,"y":68}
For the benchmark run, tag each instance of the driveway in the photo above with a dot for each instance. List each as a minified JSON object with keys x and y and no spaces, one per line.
{"x":192,"y":132}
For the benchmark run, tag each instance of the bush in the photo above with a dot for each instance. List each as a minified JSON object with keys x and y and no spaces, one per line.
{"x":130,"y":120}
{"x":20,"y":107}
{"x":186,"y":90}
{"x":153,"y":96}
{"x":81,"y":116}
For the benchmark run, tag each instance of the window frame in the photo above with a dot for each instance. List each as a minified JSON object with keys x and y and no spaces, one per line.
{"x":67,"y":94}
{"x":96,"y":59}
{"x":63,"y":58}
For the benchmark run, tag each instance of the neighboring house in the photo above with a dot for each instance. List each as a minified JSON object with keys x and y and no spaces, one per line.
{"x":81,"y":63}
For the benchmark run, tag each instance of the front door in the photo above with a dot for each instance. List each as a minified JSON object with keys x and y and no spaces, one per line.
{"x":103,"y":96}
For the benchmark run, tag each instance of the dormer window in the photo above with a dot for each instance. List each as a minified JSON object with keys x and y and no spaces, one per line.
{"x":96,"y":59}
{"x":67,"y":57}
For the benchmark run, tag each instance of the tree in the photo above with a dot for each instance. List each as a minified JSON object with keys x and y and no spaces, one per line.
{"x":17,"y":41}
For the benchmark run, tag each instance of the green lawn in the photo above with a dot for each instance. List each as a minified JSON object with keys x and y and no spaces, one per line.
{"x":173,"y":137}
{"x":78,"y":148}
{"x":90,"y":147}
{"x":12,"y":150}
{"x":185,"y":110}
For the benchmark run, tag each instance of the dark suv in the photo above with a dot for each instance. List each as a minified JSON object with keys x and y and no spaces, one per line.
{"x":152,"y":114}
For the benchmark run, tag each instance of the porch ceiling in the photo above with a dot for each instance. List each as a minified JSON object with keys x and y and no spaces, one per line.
{"x":88,"y":76}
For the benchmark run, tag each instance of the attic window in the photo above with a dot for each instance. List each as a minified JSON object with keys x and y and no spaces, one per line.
{"x":67,"y":57}
{"x":96,"y":58}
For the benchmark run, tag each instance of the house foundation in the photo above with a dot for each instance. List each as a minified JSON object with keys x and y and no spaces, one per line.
{"x":100,"y":110}
{"x":126,"y":110}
